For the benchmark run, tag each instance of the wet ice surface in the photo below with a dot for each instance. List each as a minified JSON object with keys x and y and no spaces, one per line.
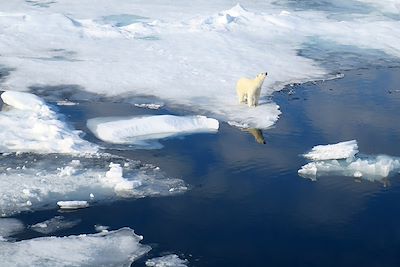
{"x":143,"y":131}
{"x":115,"y":248}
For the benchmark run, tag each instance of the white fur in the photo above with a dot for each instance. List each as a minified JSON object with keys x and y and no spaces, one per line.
{"x":249,"y":89}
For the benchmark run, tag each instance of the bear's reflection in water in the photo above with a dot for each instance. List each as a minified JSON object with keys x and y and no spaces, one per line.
{"x":258,"y":135}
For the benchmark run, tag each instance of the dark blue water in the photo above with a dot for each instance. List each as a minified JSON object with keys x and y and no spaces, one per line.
{"x":246,"y":205}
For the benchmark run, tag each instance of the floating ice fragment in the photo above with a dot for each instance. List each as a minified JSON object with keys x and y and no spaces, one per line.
{"x":171,"y":260}
{"x":115,"y":248}
{"x":134,"y":130}
{"x":101,"y":228}
{"x":342,"y":150}
{"x":73,"y":204}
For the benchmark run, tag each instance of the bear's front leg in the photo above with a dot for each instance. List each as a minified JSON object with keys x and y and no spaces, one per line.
{"x":251,"y":101}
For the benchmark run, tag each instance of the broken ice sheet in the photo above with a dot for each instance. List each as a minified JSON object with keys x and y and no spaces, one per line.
{"x":32,"y":182}
{"x":341,"y":159}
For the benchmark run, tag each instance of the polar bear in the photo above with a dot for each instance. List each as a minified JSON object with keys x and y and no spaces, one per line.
{"x":249,"y":89}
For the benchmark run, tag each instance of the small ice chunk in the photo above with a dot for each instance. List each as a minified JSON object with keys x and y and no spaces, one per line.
{"x":114,"y":178}
{"x":171,"y":260}
{"x":342,"y":150}
{"x":357,"y":174}
{"x":73,"y":204}
{"x":101,"y":228}
{"x":54,"y":224}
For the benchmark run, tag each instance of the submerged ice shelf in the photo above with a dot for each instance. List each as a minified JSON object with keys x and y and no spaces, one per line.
{"x":342,"y":159}
{"x":144,"y":130}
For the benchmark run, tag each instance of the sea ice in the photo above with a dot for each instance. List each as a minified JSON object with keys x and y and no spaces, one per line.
{"x":342,"y":150}
{"x":341,"y":159}
{"x":114,"y":248}
{"x":171,"y":260}
{"x":28,"y":124}
{"x":137,"y":130}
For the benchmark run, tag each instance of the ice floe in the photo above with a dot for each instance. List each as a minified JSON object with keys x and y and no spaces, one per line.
{"x":54,"y":224}
{"x":342,"y":159}
{"x":141,"y":130}
{"x":147,"y":49}
{"x":171,"y":260}
{"x":114,"y":248}
{"x":32,"y":182}
{"x":28,"y":124}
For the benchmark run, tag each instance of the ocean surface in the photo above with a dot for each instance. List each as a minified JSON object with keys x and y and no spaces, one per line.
{"x":246,"y":204}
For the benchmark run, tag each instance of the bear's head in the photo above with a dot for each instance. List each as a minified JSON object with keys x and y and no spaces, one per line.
{"x":260,"y":77}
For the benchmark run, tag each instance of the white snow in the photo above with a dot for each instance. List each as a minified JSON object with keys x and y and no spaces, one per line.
{"x":342,"y":150}
{"x":54,"y":224}
{"x":187,"y":54}
{"x":171,"y":260}
{"x":137,"y":130}
{"x":34,"y":182}
{"x":341,"y":159}
{"x":72,"y":204}
{"x":28,"y":124}
{"x":115,"y":248}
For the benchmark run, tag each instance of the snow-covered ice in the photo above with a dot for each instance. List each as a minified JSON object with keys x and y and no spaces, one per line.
{"x":341,"y":159}
{"x":342,"y":150}
{"x":54,"y":224}
{"x":28,"y":124}
{"x":31,"y":182}
{"x":170,"y":260}
{"x":140,"y":130}
{"x":115,"y":248}
{"x":147,"y":48}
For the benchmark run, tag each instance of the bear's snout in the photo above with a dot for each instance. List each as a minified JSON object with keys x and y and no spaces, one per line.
{"x":266,"y":73}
